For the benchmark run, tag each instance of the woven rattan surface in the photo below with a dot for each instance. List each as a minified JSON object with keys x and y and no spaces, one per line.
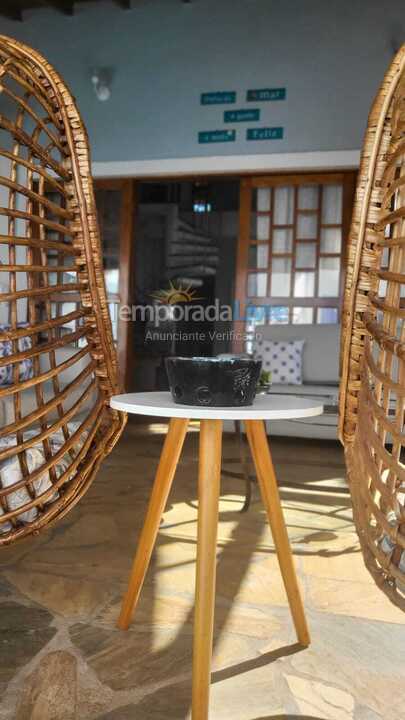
{"x":372,"y":398}
{"x":57,"y":348}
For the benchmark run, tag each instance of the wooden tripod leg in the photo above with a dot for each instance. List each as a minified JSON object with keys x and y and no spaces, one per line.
{"x":160,"y":492}
{"x":260,"y":450}
{"x":209,"y":475}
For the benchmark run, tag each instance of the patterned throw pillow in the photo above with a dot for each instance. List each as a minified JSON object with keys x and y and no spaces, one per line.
{"x":283,"y":358}
{"x":25,"y":366}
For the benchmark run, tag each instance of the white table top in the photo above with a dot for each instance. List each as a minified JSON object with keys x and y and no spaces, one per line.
{"x":265,"y":407}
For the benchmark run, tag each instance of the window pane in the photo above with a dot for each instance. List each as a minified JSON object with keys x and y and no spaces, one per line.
{"x":382,"y":288}
{"x":280,"y":277}
{"x":282,"y":240}
{"x":303,"y":315}
{"x":305,"y":255}
{"x":329,"y":271}
{"x":331,"y":240}
{"x":112,"y":307}
{"x":257,"y":284}
{"x":308,"y":197}
{"x":249,"y":343}
{"x":385,"y":258}
{"x":262,"y":227}
{"x":283,"y":205}
{"x":327,"y":315}
{"x":278,"y":315}
{"x":263,"y":199}
{"x":255,"y":315}
{"x":307,"y":227}
{"x":258,"y":256}
{"x":332,"y":204}
{"x":112,"y":280}
{"x":304,"y":285}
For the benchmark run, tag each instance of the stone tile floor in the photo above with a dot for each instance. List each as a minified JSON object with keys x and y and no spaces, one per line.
{"x":61,"y":655}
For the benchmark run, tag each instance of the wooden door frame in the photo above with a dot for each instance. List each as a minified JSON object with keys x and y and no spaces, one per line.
{"x":125,"y":341}
{"x":129,"y":187}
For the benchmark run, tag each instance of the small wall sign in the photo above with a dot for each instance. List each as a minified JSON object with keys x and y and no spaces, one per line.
{"x":223,"y":97}
{"x":265,"y":133}
{"x":241,"y":115}
{"x":216,"y":136}
{"x":265,"y":94}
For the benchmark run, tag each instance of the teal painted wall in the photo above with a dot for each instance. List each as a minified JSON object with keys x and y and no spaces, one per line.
{"x":329,"y":54}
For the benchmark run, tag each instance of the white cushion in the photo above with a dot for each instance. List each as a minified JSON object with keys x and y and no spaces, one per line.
{"x":283,"y":358}
{"x":320,"y":357}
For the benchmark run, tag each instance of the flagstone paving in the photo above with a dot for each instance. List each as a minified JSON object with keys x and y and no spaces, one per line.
{"x":60,"y":595}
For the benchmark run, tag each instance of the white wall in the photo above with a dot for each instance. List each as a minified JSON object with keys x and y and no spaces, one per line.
{"x":329,"y":54}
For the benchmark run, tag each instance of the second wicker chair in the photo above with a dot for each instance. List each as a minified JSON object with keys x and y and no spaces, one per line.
{"x":372,"y":400}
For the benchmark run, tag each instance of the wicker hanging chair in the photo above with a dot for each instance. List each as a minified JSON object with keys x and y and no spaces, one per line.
{"x":372,"y":399}
{"x":57,"y":359}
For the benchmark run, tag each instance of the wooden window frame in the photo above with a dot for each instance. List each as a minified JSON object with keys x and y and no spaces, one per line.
{"x":247,"y":186}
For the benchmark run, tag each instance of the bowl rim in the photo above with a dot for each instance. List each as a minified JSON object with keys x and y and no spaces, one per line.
{"x":218,"y":360}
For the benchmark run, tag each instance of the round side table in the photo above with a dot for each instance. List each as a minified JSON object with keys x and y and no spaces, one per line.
{"x":267,"y":407}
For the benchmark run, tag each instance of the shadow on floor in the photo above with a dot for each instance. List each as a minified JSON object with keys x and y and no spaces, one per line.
{"x":255,"y":663}
{"x":230,"y":577}
{"x":124,"y":662}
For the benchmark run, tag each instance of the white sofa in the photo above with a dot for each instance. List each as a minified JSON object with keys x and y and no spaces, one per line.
{"x":320,"y":377}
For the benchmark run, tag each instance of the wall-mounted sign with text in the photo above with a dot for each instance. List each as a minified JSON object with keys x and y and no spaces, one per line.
{"x":222,"y":97}
{"x":265,"y":133}
{"x":265,"y":94}
{"x":264,"y":115}
{"x":241,"y":115}
{"x":216,"y":136}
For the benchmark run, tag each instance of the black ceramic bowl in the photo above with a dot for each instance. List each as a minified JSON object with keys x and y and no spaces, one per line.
{"x":213,"y":382}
